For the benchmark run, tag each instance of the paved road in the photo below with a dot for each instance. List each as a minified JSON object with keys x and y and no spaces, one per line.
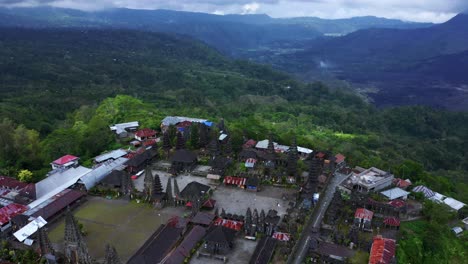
{"x":302,"y":246}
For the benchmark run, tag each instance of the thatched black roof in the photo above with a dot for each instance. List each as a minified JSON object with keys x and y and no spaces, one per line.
{"x":264,"y":251}
{"x":184,"y":156}
{"x":194,"y":189}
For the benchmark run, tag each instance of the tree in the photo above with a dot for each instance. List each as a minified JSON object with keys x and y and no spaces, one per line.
{"x":25,"y":176}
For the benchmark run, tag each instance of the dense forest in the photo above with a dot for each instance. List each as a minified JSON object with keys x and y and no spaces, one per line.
{"x":61,"y":89}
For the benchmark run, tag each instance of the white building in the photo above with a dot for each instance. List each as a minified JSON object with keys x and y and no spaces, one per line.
{"x":370,"y":180}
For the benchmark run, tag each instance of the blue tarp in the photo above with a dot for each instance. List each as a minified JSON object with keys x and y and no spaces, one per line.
{"x":208,"y":123}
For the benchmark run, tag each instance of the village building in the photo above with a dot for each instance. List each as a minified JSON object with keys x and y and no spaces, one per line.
{"x":395,"y":193}
{"x":8,"y":212}
{"x":65,"y":162}
{"x":203,"y":219}
{"x":428,"y":193}
{"x":139,"y":161}
{"x":184,"y":249}
{"x":465,"y":221}
{"x":400,"y":183}
{"x":56,"y":204}
{"x":158,"y":246}
{"x":100,"y":172}
{"x":252,"y":184}
{"x":124,"y":130}
{"x":263,"y":251}
{"x":382,"y":251}
{"x":330,"y":253}
{"x":454,"y":204}
{"x":219,"y":241}
{"x":111,"y":155}
{"x":457,"y":231}
{"x":195,"y":190}
{"x":363,"y":218}
{"x":145,"y":134}
{"x":186,"y":122}
{"x":183,"y":160}
{"x":369,"y":180}
{"x":14,"y":191}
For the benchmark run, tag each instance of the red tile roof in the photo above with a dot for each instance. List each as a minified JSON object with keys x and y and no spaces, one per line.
{"x":145,"y":133}
{"x":362,"y":213}
{"x":10,"y":211}
{"x":11,"y":183}
{"x":64,"y":160}
{"x":392,"y":221}
{"x":250,"y":143}
{"x":401,"y":183}
{"x":397,"y":203}
{"x":339,"y":158}
{"x":382,"y":251}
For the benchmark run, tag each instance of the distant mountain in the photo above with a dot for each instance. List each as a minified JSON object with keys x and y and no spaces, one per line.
{"x":228,"y":33}
{"x":412,"y":66}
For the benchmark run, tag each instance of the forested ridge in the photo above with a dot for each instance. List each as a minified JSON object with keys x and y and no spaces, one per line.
{"x":61,"y":88}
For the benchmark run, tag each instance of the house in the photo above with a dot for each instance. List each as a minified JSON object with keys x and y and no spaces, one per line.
{"x":403,"y":184}
{"x":116,"y":179}
{"x":392,"y":222}
{"x":203,"y":219}
{"x":332,"y":253}
{"x":158,"y":246}
{"x":219,"y":240}
{"x":189,"y":243}
{"x":29,"y":229}
{"x":122,"y":130}
{"x":395,"y":193}
{"x":13,"y":190}
{"x":457,"y":231}
{"x":8,"y":212}
{"x":382,"y":251}
{"x":183,"y":160}
{"x":263,"y":251}
{"x":111,"y":155}
{"x":139,"y":161}
{"x":340,"y":159}
{"x":465,"y":221}
{"x":56,"y":204}
{"x":144,"y":134}
{"x":186,"y":121}
{"x":370,"y":180}
{"x":454,"y":204}
{"x":65,"y":162}
{"x":100,"y":172}
{"x":428,"y":193}
{"x":195,"y":190}
{"x":249,"y":144}
{"x":363,"y":218}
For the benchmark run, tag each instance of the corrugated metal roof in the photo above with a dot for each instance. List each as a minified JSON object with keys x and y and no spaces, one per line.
{"x":172,"y":120}
{"x":395,"y":193}
{"x":120,"y":128}
{"x":110,"y":155}
{"x":98,"y":174}
{"x":57,"y":182}
{"x":54,"y":204}
{"x":30,"y":229}
{"x":454,"y":204}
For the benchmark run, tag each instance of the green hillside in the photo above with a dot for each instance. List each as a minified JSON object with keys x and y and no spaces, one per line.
{"x":69,"y":85}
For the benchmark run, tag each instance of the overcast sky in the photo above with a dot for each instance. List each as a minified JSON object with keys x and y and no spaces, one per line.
{"x":411,"y":10}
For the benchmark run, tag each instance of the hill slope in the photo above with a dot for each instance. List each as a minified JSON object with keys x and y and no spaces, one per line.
{"x":392,"y":60}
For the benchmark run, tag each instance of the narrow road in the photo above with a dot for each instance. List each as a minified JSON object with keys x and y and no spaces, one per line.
{"x":311,"y":230}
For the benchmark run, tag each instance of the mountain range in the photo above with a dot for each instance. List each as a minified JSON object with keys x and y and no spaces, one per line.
{"x":393,"y":62}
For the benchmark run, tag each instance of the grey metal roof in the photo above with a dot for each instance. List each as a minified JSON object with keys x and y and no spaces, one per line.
{"x":120,"y":128}
{"x":98,"y":174}
{"x":173,"y":120}
{"x":115,"y":154}
{"x":56,"y":183}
